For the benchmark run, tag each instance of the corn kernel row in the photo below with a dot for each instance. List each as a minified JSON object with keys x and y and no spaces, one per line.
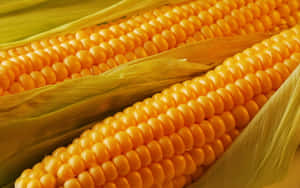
{"x":169,"y":28}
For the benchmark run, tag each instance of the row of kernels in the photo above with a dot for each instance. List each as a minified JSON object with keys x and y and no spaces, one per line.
{"x":68,"y":46}
{"x":156,"y":154}
{"x":239,"y":91}
{"x":159,"y":40}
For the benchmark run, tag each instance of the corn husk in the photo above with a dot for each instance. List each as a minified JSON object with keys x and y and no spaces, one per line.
{"x":262,"y":153}
{"x":35,"y":122}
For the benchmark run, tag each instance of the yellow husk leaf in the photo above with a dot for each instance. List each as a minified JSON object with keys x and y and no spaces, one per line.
{"x":51,"y":116}
{"x":262,"y":153}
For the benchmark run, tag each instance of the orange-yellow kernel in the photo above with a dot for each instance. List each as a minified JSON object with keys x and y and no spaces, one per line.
{"x":49,"y":75}
{"x":122,"y":182}
{"x":48,"y":181}
{"x":74,"y":148}
{"x":234,"y":134}
{"x":64,"y":173}
{"x":254,"y":83}
{"x":101,"y":152}
{"x":26,"y":81}
{"x":198,"y":135}
{"x":166,"y":147}
{"x":147,"y":177}
{"x":260,"y":100}
{"x":282,"y":69}
{"x":197,"y":110}
{"x":188,"y":114}
{"x":140,"y":52}
{"x":217,"y":101}
{"x":187,"y":138}
{"x":265,"y":81}
{"x":208,"y":131}
{"x":85,"y":180}
{"x":226,"y":98}
{"x":236,"y":94}
{"x":157,"y":127}
{"x":275,"y":78}
{"x":226,"y":140}
{"x":190,"y":166}
{"x":107,"y":130}
{"x":77,"y":164}
{"x":150,"y":48}
{"x":179,"y":164}
{"x":241,"y":116}
{"x":61,"y":71}
{"x":205,"y":18}
{"x":112,"y":145}
{"x":109,"y":170}
{"x":157,"y":172}
{"x":85,"y":59}
{"x":122,"y":165}
{"x":252,"y":108}
{"x":33,"y":183}
{"x":179,"y":182}
{"x":16,"y":87}
{"x":169,"y":169}
{"x":178,"y":143}
{"x":110,"y":185}
{"x":147,"y":132}
{"x":124,"y":141}
{"x":246,"y":88}
{"x":88,"y":156}
{"x":52,"y":165}
{"x":179,"y":33}
{"x":210,"y":155}
{"x":72,"y":183}
{"x":98,"y":54}
{"x":38,"y":78}
{"x":177,"y":118}
{"x":229,"y":121}
{"x":135,"y":180}
{"x":218,"y":125}
{"x":136,"y":136}
{"x":155,"y":151}
{"x":207,"y":106}
{"x":97,"y":175}
{"x":107,"y":49}
{"x":144,"y":155}
{"x":198,"y":156}
{"x":134,"y":160}
{"x":218,"y":147}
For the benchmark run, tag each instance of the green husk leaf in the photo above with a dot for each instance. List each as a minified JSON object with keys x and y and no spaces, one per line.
{"x":262,"y":153}
{"x":23,"y":21}
{"x":32,"y":123}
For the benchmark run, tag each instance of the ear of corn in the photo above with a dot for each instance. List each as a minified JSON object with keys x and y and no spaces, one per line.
{"x":95,"y":49}
{"x":168,"y":139}
{"x":263,"y":153}
{"x":51,"y":108}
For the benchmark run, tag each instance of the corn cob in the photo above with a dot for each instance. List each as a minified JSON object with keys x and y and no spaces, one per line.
{"x":167,"y":140}
{"x":96,"y":49}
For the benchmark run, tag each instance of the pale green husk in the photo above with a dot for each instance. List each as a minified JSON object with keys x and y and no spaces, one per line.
{"x":262,"y":153}
{"x":35,"y":122}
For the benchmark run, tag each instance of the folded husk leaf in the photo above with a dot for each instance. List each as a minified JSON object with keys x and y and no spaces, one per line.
{"x":262,"y":153}
{"x":35,"y":122}
{"x":23,"y":21}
